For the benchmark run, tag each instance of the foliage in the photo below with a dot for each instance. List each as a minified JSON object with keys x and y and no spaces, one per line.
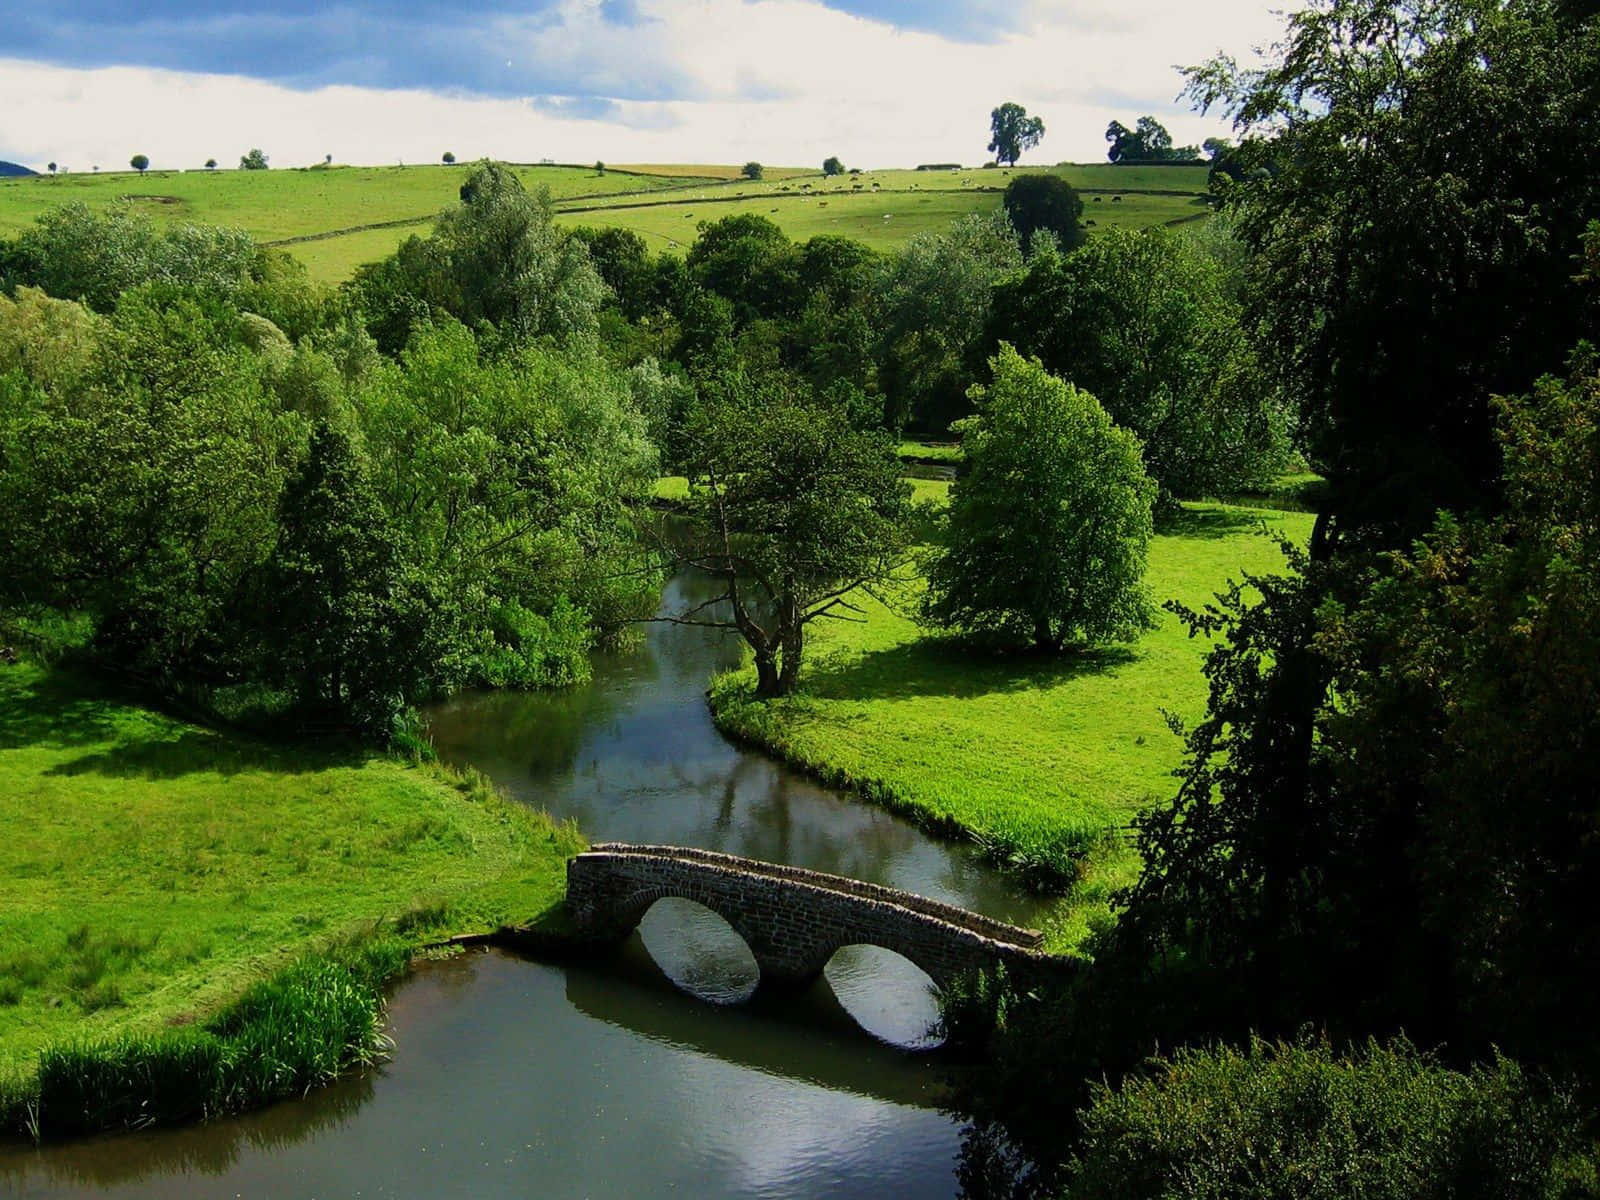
{"x":832,"y":166}
{"x":253,"y":160}
{"x":1049,"y":518}
{"x":75,"y":253}
{"x":350,"y":634}
{"x":1148,"y":322}
{"x":448,"y":158}
{"x":1039,"y":760}
{"x":1148,"y":141}
{"x":497,"y":258}
{"x":796,"y":512}
{"x":1290,"y":1120}
{"x":932,"y":300}
{"x":1047,"y":204}
{"x":1013,"y":132}
{"x":751,"y":170}
{"x":1413,"y":230}
{"x":139,"y":162}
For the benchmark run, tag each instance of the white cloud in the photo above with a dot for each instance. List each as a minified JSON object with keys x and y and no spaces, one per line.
{"x":782,"y":81}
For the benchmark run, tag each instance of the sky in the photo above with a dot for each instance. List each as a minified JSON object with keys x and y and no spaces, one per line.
{"x":879,"y":83}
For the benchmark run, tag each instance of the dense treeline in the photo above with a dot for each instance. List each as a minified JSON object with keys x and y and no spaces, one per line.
{"x":1387,"y":820}
{"x":265,"y":496}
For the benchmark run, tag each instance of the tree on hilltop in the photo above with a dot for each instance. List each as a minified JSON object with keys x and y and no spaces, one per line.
{"x":1014,"y":132}
{"x":832,"y":166}
{"x":751,"y":170}
{"x":254,"y":161}
{"x":448,"y":157}
{"x":140,"y":162}
{"x":211,"y":164}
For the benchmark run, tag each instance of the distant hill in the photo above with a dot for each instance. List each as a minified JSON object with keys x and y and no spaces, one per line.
{"x":11,"y":168}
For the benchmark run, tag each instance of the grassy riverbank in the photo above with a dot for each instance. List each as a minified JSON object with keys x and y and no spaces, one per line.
{"x":155,"y":872}
{"x":1043,"y":761}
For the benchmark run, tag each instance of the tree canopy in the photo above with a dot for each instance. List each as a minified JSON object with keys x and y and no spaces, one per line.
{"x":1013,"y":132}
{"x":1049,"y":518}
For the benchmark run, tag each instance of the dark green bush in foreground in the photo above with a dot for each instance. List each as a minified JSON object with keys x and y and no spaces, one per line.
{"x":286,"y":1035}
{"x":1297,"y":1120}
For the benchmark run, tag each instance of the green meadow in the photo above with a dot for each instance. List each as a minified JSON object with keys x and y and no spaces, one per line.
{"x":326,"y":216}
{"x":154,"y":871}
{"x":1043,"y":761}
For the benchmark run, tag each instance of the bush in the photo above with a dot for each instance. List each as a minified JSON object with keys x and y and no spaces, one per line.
{"x":286,"y":1035}
{"x":1281,"y":1121}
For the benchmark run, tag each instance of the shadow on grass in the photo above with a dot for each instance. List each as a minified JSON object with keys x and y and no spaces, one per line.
{"x":958,"y":668}
{"x":55,"y":709}
{"x":204,"y":750}
{"x":1209,"y":523}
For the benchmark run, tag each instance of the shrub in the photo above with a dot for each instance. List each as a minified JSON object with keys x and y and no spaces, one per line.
{"x":1279,"y":1121}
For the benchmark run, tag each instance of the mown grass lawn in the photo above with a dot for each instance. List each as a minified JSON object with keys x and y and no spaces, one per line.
{"x":1041,"y":759}
{"x":151,"y":870}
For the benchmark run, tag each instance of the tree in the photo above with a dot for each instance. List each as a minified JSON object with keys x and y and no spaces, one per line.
{"x":1045,"y":203}
{"x":350,"y":633}
{"x":497,"y":257}
{"x":253,"y":161}
{"x":751,"y":170}
{"x":599,"y":167}
{"x":139,"y":162}
{"x":1049,"y":519}
{"x":1014,"y":132}
{"x":932,"y":299}
{"x":448,"y":158}
{"x":795,"y":512}
{"x":211,"y":164}
{"x":1148,"y":322}
{"x":52,"y":168}
{"x":1148,"y":141}
{"x":832,"y":166}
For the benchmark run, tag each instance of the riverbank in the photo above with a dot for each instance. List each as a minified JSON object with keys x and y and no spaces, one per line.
{"x":1043,"y":762}
{"x":157,"y":875}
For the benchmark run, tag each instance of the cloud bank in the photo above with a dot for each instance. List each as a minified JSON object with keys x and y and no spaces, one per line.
{"x":878,"y":82}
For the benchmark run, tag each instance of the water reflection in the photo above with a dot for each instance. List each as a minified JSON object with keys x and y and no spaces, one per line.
{"x":519,"y":1079}
{"x":633,"y":756}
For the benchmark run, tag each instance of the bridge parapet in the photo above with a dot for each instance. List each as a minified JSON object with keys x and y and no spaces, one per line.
{"x":794,"y":919}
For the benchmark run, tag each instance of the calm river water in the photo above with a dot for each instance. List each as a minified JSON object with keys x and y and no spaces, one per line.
{"x":518,"y":1078}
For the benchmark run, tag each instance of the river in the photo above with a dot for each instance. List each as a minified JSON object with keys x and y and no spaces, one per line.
{"x":518,"y":1078}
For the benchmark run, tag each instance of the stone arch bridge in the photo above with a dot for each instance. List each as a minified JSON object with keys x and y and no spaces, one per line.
{"x":793,"y":919}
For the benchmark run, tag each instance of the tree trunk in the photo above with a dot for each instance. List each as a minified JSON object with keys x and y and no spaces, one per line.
{"x":1043,"y":637}
{"x":792,"y":633}
{"x":768,"y":683}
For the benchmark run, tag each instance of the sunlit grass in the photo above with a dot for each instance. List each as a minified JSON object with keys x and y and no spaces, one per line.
{"x":152,"y":870}
{"x":1041,"y":760}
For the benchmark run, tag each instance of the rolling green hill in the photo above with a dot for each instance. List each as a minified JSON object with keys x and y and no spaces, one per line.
{"x":336,"y":218}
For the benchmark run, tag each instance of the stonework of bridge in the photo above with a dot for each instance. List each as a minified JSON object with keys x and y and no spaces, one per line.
{"x":793,"y":919}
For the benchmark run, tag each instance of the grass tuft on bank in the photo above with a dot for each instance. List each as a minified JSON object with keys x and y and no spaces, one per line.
{"x":165,"y":882}
{"x":1042,"y":761}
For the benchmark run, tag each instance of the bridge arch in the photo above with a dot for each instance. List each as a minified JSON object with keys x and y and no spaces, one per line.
{"x":793,"y":920}
{"x":887,"y":994}
{"x":699,"y":950}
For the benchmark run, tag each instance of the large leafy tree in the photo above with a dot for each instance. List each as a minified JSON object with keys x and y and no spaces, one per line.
{"x":497,"y":258}
{"x":1047,"y":204}
{"x":348,"y":630}
{"x":1413,"y":257}
{"x":796,"y":513}
{"x":931,"y":301}
{"x":1147,"y":322}
{"x":1049,"y":519}
{"x":1013,"y":132}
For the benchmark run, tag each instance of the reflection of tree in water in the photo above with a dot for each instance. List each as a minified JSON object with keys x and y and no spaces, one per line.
{"x":103,"y":1162}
